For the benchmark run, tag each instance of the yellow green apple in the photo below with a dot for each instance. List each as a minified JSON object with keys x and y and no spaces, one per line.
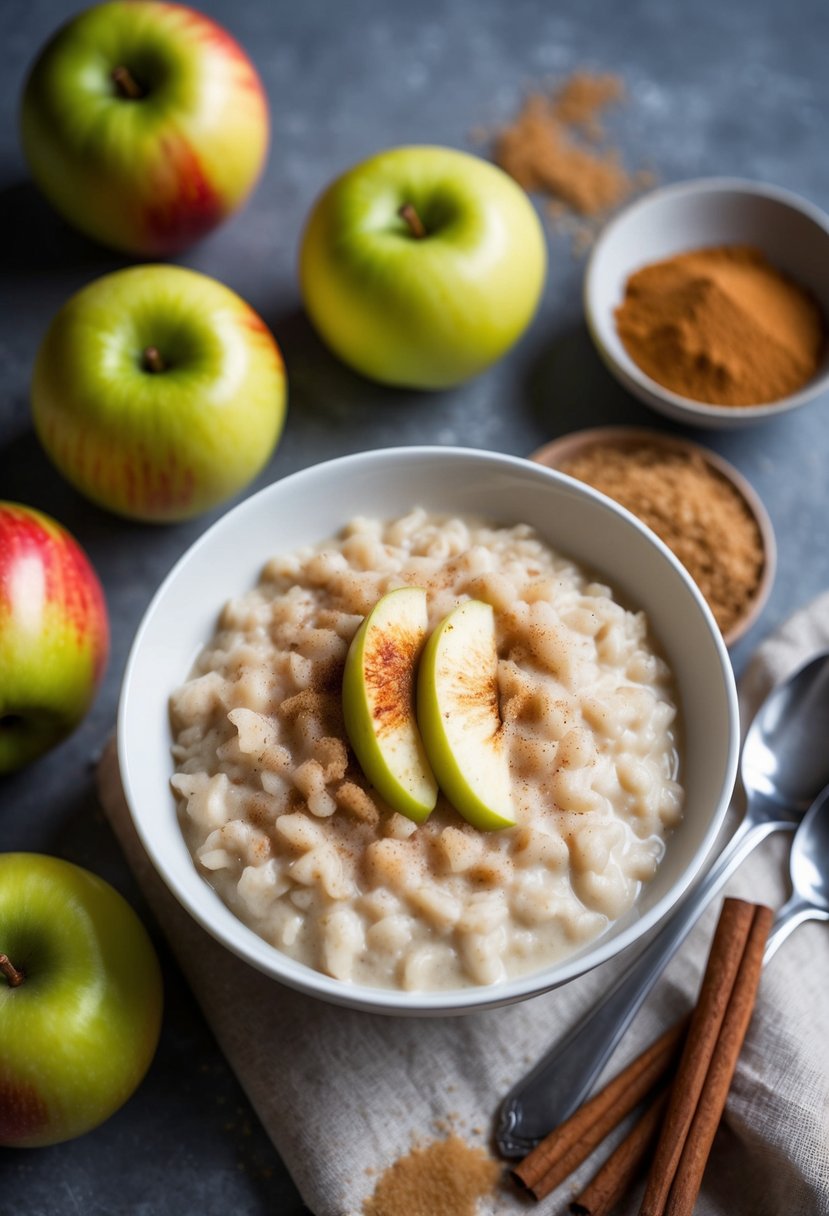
{"x":54,"y":634}
{"x":145,"y":124}
{"x":80,"y":1000}
{"x":459,"y":719}
{"x":422,"y":266}
{"x":158,"y":392}
{"x":379,"y":702}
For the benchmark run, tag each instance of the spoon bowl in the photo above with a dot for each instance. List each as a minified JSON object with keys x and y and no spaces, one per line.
{"x":810,"y":855}
{"x":809,"y":871}
{"x":785,"y":762}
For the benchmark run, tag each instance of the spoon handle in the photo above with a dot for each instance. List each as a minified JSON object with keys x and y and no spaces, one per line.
{"x":792,"y":914}
{"x":562,"y":1078}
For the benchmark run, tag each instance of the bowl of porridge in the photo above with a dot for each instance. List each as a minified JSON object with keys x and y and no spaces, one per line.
{"x":606,"y":684}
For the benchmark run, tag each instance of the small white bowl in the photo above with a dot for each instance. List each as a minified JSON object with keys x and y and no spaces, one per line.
{"x":791,"y":232}
{"x":313,"y":505}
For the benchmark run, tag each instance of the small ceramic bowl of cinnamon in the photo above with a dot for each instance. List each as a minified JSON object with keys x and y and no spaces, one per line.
{"x":704,"y":510}
{"x":709,"y":301}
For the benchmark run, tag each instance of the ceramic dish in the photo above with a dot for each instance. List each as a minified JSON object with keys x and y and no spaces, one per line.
{"x":793,"y":234}
{"x":313,"y":505}
{"x":557,"y":453}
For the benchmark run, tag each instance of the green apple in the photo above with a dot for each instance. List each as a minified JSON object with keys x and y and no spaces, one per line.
{"x":379,"y":706}
{"x":422,"y":266}
{"x":457,"y":711}
{"x":54,"y":634}
{"x":144,"y":124}
{"x":158,"y":392}
{"x":80,"y":1000}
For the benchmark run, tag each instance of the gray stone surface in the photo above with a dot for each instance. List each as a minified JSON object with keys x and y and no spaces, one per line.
{"x":735,"y":88}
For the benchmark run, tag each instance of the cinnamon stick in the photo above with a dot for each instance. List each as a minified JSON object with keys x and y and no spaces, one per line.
{"x":615,"y":1178}
{"x":572,"y":1142}
{"x":712,"y":1100}
{"x":727,"y":950}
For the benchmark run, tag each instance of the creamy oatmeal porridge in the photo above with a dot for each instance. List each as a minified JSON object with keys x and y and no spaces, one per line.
{"x":281,"y":821}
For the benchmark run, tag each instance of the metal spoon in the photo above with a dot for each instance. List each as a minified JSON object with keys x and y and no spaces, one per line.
{"x":809,"y":870}
{"x":785,"y":765}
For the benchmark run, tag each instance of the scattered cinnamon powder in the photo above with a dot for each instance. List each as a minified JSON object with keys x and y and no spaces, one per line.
{"x":444,"y":1178}
{"x":550,"y":148}
{"x":580,"y":101}
{"x":721,"y":325}
{"x":538,"y":152}
{"x":698,"y":513}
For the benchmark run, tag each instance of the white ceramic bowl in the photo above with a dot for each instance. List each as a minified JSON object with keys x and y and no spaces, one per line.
{"x":793,"y":234}
{"x":313,"y":505}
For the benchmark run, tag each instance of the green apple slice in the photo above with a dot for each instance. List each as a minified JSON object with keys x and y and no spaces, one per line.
{"x":379,"y":704}
{"x":457,"y":711}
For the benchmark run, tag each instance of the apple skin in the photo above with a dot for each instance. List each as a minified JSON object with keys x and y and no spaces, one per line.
{"x":457,"y":711}
{"x":54,"y":634}
{"x":158,"y":445}
{"x":378,"y":702}
{"x":80,"y":1031}
{"x":422,"y":312}
{"x":149,"y":175}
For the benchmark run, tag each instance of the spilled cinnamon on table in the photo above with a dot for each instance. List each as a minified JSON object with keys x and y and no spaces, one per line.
{"x":443,"y":1178}
{"x":556,"y":147}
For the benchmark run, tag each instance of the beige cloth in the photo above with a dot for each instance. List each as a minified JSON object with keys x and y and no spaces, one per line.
{"x":343,"y":1094}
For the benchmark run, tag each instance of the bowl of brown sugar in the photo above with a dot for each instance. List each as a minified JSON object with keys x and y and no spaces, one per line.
{"x":704,"y":510}
{"x":709,"y":301}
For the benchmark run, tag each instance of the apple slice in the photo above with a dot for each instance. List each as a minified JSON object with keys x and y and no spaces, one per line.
{"x":457,"y":711}
{"x":379,"y":703}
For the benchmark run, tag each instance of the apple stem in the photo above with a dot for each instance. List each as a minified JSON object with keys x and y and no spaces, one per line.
{"x":13,"y":975}
{"x":126,"y":84}
{"x":152,"y":361}
{"x":408,"y":213}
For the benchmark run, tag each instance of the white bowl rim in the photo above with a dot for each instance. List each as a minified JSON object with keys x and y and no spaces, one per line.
{"x":456,"y":1000}
{"x":622,"y":363}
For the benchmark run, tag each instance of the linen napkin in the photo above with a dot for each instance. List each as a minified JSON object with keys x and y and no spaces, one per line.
{"x":343,"y":1094}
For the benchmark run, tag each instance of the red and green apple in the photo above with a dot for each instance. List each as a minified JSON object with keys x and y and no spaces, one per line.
{"x":145,"y":124}
{"x":158,"y":392}
{"x":80,"y":1000}
{"x":54,"y":634}
{"x":422,"y":265}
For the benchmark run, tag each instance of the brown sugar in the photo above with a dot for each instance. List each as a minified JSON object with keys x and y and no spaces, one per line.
{"x":721,"y":325}
{"x":550,"y":148}
{"x":696,"y":511}
{"x":443,"y":1178}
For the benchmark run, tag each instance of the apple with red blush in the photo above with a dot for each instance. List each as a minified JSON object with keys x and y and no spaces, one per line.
{"x":158,"y":392}
{"x":54,"y":634}
{"x":145,"y":124}
{"x":80,"y":1000}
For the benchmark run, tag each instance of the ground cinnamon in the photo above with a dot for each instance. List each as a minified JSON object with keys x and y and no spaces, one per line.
{"x":550,"y":148}
{"x":582,"y":99}
{"x":721,"y":325}
{"x":696,"y":511}
{"x":538,"y":152}
{"x":447,"y":1177}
